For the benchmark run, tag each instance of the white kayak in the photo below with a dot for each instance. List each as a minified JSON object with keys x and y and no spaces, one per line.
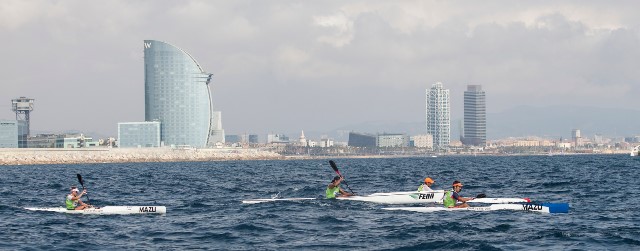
{"x":106,"y":210}
{"x":399,"y":198}
{"x":542,"y":208}
{"x":256,"y":201}
{"x":384,"y":198}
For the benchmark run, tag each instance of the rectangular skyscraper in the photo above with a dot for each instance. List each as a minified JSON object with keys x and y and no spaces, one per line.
{"x":439,"y":116}
{"x":475,"y":116}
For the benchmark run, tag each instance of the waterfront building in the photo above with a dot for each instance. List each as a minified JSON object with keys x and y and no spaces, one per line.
{"x":216,"y":136}
{"x":362,"y":140}
{"x":438,"y":110}
{"x":303,"y":140}
{"x":393,"y":140}
{"x":44,"y":140}
{"x":576,"y":137}
{"x":232,"y":138}
{"x":23,"y":134}
{"x":527,"y":143}
{"x":139,"y":134}
{"x":253,"y":139}
{"x":75,"y":141}
{"x":277,"y":139}
{"x":423,"y":141}
{"x":326,"y":142}
{"x":475,"y":116}
{"x":177,"y":95}
{"x":8,"y":134}
{"x":598,"y":139}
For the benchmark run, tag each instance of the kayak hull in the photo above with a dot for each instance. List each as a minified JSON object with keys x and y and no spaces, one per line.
{"x":400,"y":198}
{"x":530,"y":207}
{"x":256,"y":201}
{"x":106,"y":210}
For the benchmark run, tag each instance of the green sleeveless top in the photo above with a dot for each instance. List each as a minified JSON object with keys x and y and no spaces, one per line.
{"x":69,"y":203}
{"x":425,"y":188}
{"x":331,"y":192}
{"x":448,"y":201}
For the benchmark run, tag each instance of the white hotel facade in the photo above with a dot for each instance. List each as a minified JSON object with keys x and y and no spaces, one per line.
{"x":438,"y":111}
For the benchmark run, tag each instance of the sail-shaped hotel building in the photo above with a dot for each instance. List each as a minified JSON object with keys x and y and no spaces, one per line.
{"x":177,"y":94}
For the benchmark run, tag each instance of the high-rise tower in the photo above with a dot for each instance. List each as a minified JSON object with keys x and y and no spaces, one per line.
{"x":22,"y":107}
{"x":177,"y":94}
{"x":439,"y":116}
{"x":475,"y":116}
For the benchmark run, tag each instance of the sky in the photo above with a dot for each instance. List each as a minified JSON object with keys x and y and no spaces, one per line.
{"x":286,"y":66}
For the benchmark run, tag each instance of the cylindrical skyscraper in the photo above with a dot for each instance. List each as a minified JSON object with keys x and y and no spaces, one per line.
{"x":176,"y":94}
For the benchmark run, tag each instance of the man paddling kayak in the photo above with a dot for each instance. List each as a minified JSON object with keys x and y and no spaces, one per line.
{"x":73,"y":199}
{"x":451,"y":197}
{"x":426,"y":186}
{"x":334,"y":189}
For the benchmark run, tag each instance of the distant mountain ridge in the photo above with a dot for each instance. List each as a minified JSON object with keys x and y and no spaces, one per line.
{"x":520,"y":121}
{"x":558,"y":121}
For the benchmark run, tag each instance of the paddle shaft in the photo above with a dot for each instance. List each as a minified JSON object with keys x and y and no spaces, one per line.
{"x":82,"y":184}
{"x":335,"y":168}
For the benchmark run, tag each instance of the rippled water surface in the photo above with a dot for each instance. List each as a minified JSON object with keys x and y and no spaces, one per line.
{"x":204,"y":209}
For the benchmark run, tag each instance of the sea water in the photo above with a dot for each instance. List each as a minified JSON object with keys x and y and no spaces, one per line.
{"x":204,"y":209}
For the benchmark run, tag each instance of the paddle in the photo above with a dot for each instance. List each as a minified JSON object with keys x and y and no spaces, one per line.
{"x":82,"y":183}
{"x":335,"y":168}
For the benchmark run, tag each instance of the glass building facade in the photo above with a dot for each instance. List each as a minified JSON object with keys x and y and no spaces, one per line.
{"x":139,"y":134}
{"x":439,"y":116}
{"x":177,"y":95}
{"x":393,"y":140}
{"x":362,"y":140}
{"x":8,"y":134}
{"x":23,"y":134}
{"x":475,"y":116}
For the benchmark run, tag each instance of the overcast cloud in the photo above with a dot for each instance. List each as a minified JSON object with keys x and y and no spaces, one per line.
{"x":283,"y":66}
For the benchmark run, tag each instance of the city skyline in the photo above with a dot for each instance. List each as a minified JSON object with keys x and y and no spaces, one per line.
{"x":283,"y":67}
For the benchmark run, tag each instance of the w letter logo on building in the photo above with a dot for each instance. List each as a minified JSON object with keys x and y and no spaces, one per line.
{"x":147,"y":45}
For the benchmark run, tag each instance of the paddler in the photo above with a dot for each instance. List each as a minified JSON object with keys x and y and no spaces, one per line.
{"x":426,"y":186}
{"x":334,"y":190}
{"x":73,"y":199}
{"x":451,"y":197}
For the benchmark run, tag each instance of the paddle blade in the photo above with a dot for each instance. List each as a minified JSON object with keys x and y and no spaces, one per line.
{"x":80,"y":180}
{"x":481,"y":195}
{"x":334,"y":166}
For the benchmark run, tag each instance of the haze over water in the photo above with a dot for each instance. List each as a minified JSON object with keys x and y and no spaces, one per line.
{"x":204,"y":209}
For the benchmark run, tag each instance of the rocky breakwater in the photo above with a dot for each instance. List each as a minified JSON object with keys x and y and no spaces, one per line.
{"x":115,"y":155}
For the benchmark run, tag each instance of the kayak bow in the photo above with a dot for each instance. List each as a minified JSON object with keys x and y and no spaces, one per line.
{"x":542,"y":208}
